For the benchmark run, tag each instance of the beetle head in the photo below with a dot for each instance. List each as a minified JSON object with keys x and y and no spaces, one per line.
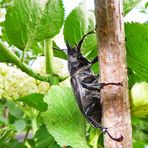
{"x":72,"y":52}
{"x":75,"y":59}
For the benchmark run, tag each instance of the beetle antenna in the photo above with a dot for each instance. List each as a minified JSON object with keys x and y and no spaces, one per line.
{"x":95,"y":60}
{"x":119,"y":139}
{"x":81,"y":41}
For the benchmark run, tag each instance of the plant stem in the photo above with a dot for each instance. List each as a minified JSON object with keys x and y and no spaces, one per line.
{"x":26,"y":135}
{"x":112,"y":58}
{"x":34,"y":125}
{"x":48,"y":51}
{"x":23,"y":55}
{"x":24,"y":67}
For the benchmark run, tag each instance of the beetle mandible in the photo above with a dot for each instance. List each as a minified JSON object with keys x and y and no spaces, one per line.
{"x":86,"y":86}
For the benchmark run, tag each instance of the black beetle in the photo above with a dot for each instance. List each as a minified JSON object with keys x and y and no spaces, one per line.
{"x":86,"y":86}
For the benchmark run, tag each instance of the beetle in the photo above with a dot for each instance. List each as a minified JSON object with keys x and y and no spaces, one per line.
{"x":86,"y":86}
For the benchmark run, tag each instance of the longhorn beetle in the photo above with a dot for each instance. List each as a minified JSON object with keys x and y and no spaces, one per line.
{"x":86,"y":86}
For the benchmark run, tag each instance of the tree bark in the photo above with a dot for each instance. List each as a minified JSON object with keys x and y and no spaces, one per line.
{"x":113,"y":69}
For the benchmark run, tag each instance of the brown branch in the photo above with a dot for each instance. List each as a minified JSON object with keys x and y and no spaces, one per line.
{"x":112,"y":56}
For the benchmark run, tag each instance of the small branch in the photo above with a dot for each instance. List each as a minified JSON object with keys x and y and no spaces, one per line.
{"x":25,"y":68}
{"x":26,"y":135}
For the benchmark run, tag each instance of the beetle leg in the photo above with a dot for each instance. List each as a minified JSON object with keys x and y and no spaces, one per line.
{"x":97,"y":125}
{"x":89,"y":111}
{"x":91,"y":86}
{"x":105,"y":84}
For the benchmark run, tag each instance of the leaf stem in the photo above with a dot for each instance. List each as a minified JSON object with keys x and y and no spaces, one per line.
{"x":23,"y":55}
{"x":48,"y":51}
{"x":25,"y":68}
{"x":34,"y":125}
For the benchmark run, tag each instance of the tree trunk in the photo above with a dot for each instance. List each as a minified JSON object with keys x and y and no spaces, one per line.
{"x":113,"y":69}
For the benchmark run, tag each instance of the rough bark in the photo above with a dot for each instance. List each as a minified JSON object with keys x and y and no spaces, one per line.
{"x":112,"y":57}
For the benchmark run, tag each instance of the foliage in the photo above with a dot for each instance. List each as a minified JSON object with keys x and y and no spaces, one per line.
{"x":37,"y":19}
{"x":137,"y":53}
{"x":34,"y":112}
{"x":83,"y":21}
{"x":63,"y":119}
{"x":129,"y":5}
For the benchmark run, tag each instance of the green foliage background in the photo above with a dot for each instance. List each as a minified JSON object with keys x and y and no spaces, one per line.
{"x":37,"y":105}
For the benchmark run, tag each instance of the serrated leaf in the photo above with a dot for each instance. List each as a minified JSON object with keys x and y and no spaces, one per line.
{"x":63,"y":118}
{"x":79,"y":22}
{"x":30,"y":21}
{"x":35,"y":100}
{"x":44,"y":139}
{"x":137,"y":48}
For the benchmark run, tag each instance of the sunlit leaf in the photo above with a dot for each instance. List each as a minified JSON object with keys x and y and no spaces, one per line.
{"x":30,"y":21}
{"x":44,"y":139}
{"x":79,"y":22}
{"x":63,"y":118}
{"x":35,"y":100}
{"x":137,"y":48}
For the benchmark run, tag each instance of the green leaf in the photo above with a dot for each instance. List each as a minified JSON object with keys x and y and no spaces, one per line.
{"x":129,"y":5}
{"x":89,"y":48}
{"x":137,"y":48}
{"x":19,"y":125}
{"x":140,"y":131}
{"x":63,"y":118}
{"x":79,"y":22}
{"x":146,"y":5}
{"x":14,"y":144}
{"x":94,"y":137}
{"x":30,"y":21}
{"x":132,"y":78}
{"x":14,"y":109}
{"x":138,"y":144}
{"x":59,"y":52}
{"x":44,"y":139}
{"x":35,"y":100}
